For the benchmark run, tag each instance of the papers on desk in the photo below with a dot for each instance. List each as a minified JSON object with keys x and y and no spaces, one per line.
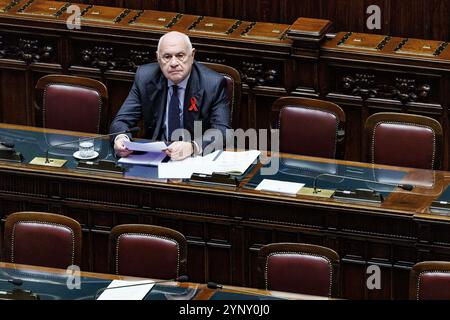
{"x":185,"y":168}
{"x":157,"y":146}
{"x":135,"y":290}
{"x":152,"y":156}
{"x":234,"y":162}
{"x":219,"y":161}
{"x":146,"y":159}
{"x":280,"y":186}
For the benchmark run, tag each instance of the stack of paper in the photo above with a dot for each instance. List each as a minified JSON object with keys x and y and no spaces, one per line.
{"x":152,"y":155}
{"x":235,"y":162}
{"x":280,"y":186}
{"x":219,"y":161}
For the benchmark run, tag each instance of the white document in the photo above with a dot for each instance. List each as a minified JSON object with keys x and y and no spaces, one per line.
{"x":176,"y":169}
{"x":136,"y":290}
{"x":218,"y":161}
{"x":235,"y":162}
{"x":183,"y":169}
{"x":148,"y":158}
{"x":280,"y":186}
{"x":157,"y":146}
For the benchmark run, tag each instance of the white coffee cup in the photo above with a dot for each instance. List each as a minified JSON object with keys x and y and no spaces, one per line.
{"x":86,"y":148}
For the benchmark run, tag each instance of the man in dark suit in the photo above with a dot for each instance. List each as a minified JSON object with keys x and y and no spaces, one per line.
{"x":173,"y":94}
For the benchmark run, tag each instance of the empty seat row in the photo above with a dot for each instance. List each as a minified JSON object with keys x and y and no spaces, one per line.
{"x":316,"y":128}
{"x":51,"y":240}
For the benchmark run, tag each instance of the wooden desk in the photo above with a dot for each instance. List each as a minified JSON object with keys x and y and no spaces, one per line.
{"x":90,"y":284}
{"x":225,"y":227}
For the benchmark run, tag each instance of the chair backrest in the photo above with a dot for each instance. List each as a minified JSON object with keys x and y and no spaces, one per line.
{"x":309,"y":127}
{"x":299,"y":268}
{"x":42,"y":239}
{"x":405,"y":140}
{"x":71,"y":103}
{"x":147,"y":251}
{"x":430,"y":280}
{"x":234,"y":87}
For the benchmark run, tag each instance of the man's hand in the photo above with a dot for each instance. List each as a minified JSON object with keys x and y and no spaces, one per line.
{"x":179,"y":150}
{"x":120,"y":149}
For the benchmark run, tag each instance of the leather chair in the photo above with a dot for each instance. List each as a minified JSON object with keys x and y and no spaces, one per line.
{"x":234,"y":87}
{"x":309,"y":127}
{"x":299,"y":268}
{"x":42,"y":239}
{"x":404,"y":140}
{"x":147,"y":251}
{"x":430,"y":280}
{"x":71,"y":103}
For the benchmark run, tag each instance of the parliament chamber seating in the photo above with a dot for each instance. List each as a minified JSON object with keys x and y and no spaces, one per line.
{"x":71,"y":103}
{"x":300,"y":268}
{"x":430,"y":280}
{"x":42,"y":239}
{"x":405,"y":140}
{"x":360,"y":71}
{"x":309,"y":127}
{"x":147,"y":251}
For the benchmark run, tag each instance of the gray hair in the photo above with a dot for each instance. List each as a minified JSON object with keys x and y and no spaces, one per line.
{"x":184,"y":36}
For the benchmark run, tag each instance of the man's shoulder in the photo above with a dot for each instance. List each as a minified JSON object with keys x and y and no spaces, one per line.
{"x":148,"y":71}
{"x":208,"y":75}
{"x":204,"y":70}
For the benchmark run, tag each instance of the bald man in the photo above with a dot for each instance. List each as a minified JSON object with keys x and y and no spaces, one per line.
{"x":171,"y":94}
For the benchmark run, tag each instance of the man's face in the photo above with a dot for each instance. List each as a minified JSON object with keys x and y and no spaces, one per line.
{"x":174,"y":58}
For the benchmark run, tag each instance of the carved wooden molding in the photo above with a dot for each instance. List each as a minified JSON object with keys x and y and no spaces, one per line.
{"x":216,"y":60}
{"x":27,"y":50}
{"x":252,"y":73}
{"x":402,"y":89}
{"x":99,"y":57}
{"x":257,"y":74}
{"x":362,"y":85}
{"x":105,"y":58}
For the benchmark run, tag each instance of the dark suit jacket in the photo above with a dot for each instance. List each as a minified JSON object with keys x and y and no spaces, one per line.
{"x":148,"y":98}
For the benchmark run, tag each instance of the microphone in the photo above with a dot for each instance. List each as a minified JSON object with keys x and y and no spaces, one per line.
{"x":7,"y":151}
{"x":47,"y":160}
{"x":10,"y":279}
{"x":407,"y":187}
{"x":16,"y":293}
{"x":215,"y":286}
{"x":14,"y":281}
{"x":7,"y":144}
{"x":182,"y":278}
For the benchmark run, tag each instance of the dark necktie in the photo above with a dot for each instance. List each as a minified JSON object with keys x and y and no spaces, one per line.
{"x":174,"y":112}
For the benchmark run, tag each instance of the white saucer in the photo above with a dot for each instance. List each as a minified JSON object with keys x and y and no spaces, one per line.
{"x":77,"y":155}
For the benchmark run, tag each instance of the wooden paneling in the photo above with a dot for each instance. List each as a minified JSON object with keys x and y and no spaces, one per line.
{"x":20,"y":113}
{"x":426,"y":19}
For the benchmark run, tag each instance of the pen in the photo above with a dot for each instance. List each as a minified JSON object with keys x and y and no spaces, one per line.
{"x":218,"y":154}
